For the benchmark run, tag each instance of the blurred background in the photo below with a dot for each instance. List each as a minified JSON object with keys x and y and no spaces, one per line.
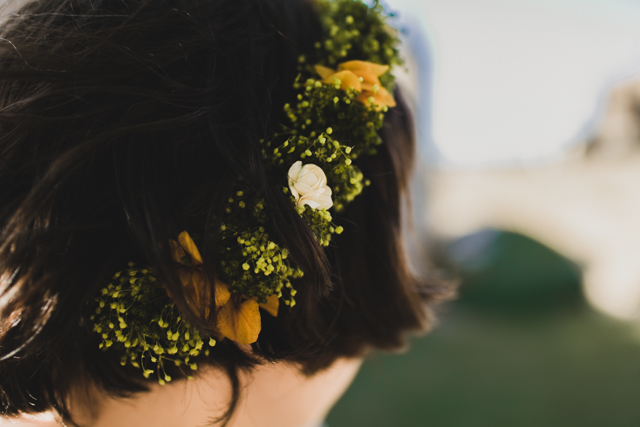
{"x":528,"y":194}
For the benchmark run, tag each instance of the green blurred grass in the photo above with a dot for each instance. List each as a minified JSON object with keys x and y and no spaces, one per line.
{"x":519,"y":348}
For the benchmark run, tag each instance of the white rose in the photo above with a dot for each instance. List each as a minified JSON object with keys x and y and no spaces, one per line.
{"x":308,"y":184}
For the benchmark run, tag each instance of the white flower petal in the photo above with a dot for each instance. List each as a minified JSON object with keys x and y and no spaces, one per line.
{"x":313,"y":176}
{"x":293,"y":191}
{"x":325,"y":198}
{"x":309,"y":200}
{"x":294,"y":171}
{"x":303,"y":188}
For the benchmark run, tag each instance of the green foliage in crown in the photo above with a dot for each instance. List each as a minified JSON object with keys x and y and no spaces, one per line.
{"x":250,"y":262}
{"x":135,"y":315}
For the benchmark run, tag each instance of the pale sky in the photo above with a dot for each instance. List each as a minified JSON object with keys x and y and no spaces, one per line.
{"x":518,"y":81}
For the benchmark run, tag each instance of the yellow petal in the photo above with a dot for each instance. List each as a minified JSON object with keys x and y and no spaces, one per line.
{"x":367,"y":85}
{"x":385,"y":98}
{"x":361,"y":67}
{"x":271,"y":305}
{"x":226,"y":321}
{"x":222,"y":293}
{"x":324,"y":72}
{"x":380,"y":98}
{"x":368,"y":79}
{"x":248,"y":324}
{"x":347,"y":80}
{"x":240,"y":323}
{"x":190,"y":247}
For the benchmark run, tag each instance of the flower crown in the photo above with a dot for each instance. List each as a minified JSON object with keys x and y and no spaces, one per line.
{"x":344,"y":88}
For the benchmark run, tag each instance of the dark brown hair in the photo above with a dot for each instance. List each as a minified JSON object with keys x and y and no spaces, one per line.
{"x":123,"y":123}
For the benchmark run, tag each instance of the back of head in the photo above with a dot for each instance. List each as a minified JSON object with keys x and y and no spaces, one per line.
{"x":123,"y":123}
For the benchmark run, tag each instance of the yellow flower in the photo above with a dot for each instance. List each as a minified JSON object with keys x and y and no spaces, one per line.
{"x":361,"y":76}
{"x":238,"y":318}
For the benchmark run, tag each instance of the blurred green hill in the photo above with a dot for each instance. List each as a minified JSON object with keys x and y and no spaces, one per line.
{"x":520,"y":347}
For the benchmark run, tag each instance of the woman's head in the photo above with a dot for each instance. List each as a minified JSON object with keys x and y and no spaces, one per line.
{"x":123,"y":123}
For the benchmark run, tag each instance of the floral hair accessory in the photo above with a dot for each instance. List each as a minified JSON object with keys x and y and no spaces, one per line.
{"x":361,"y":76}
{"x":196,"y":290}
{"x":135,"y":314}
{"x":238,"y":318}
{"x":343,"y":89}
